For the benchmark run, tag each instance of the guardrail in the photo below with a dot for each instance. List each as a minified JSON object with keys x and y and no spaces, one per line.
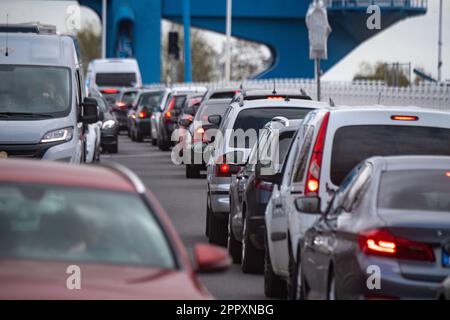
{"x":333,"y":4}
{"x":427,"y":95}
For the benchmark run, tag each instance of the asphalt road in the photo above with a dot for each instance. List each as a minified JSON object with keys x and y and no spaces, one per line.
{"x":185,"y":201}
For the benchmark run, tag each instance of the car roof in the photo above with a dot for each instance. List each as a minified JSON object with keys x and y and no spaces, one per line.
{"x":395,"y":163}
{"x":40,"y":50}
{"x":62,"y":174}
{"x":280,"y":103}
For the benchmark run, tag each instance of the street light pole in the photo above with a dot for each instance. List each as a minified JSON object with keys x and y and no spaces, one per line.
{"x":228,"y":42}
{"x":440,"y":44}
{"x":187,"y":40}
{"x":104,"y":8}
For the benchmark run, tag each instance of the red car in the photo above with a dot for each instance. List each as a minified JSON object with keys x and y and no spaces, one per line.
{"x":74,"y":232}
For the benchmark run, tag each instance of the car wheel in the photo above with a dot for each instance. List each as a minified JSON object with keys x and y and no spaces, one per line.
{"x":192,"y":172}
{"x":252,"y":260}
{"x":234,"y":246}
{"x":217,"y":230}
{"x":274,"y":286}
{"x":139,"y":137}
{"x":292,"y":283}
{"x":163,"y":145}
{"x":331,"y":292}
{"x":208,"y":213}
{"x":154,"y":142}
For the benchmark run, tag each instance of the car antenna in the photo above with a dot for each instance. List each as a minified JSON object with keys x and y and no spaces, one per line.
{"x":7,"y":23}
{"x":303,"y":92}
{"x":332,"y":104}
{"x":379,"y":97}
{"x":274,"y":87}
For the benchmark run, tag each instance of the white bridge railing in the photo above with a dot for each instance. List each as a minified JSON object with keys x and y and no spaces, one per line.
{"x":428,"y":95}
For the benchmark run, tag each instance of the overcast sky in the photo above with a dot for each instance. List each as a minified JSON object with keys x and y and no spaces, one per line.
{"x":413,"y":40}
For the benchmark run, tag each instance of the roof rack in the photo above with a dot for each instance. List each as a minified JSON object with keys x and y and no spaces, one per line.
{"x":127,"y":174}
{"x":29,"y":27}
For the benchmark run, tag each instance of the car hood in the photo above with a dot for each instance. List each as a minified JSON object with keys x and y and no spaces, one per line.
{"x":30,"y":131}
{"x":47,"y":280}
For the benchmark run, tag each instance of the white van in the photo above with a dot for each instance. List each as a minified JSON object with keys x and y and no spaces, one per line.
{"x":110,"y":74}
{"x":43,"y":110}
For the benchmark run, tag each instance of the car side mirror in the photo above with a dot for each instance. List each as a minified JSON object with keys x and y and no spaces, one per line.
{"x":89,"y":111}
{"x":308,"y":205}
{"x":211,"y":259}
{"x":215,"y":119}
{"x":184,"y":122}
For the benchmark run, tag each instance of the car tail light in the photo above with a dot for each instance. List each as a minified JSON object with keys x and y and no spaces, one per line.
{"x":274,"y":98}
{"x":381,"y":242}
{"x":110,"y":91}
{"x":313,"y":175}
{"x":143,"y":115}
{"x":404,"y":118}
{"x":447,"y":174}
{"x":153,"y":116}
{"x":199,"y":135}
{"x":168,"y":113}
{"x":263,"y":185}
{"x":121,"y":105}
{"x":226,"y":170}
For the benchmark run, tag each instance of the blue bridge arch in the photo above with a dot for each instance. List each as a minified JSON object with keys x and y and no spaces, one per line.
{"x":134,"y":28}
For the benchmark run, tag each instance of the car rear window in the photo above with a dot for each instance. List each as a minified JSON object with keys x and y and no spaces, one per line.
{"x":223,"y":95}
{"x":211,"y":109}
{"x":115,"y":79}
{"x":256,"y":119}
{"x":425,"y":190}
{"x":353,"y":144}
{"x":128,"y":97}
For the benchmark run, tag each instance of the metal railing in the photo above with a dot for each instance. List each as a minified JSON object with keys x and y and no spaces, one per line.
{"x":339,"y":4}
{"x":427,"y":95}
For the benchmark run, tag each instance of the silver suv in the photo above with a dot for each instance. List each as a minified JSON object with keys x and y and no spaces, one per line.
{"x":239,"y":130}
{"x":330,"y":143}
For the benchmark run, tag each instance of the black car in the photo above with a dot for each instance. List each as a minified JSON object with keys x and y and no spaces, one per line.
{"x":110,"y":126}
{"x":251,"y":190}
{"x":124,"y":102}
{"x":139,"y":117}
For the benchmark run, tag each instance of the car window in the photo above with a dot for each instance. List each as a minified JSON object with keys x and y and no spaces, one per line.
{"x":80,"y":225}
{"x":353,"y":144}
{"x":424,"y":190}
{"x":223,"y":95}
{"x":152,"y":100}
{"x":129,"y":96}
{"x":353,"y":196}
{"x":115,"y":79}
{"x":210,"y":109}
{"x":302,"y":160}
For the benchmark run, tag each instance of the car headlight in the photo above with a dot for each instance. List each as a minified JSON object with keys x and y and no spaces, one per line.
{"x":64,"y":134}
{"x":108,"y":124}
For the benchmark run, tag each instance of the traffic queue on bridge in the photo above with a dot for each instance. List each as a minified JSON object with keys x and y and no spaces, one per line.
{"x":317,"y":197}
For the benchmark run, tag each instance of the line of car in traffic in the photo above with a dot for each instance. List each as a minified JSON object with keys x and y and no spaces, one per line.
{"x":351,"y":188}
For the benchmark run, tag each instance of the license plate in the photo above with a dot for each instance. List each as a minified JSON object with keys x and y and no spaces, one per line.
{"x":445,"y":259}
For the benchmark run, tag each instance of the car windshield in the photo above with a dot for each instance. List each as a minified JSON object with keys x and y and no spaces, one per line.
{"x":80,"y":225}
{"x":256,"y":119}
{"x":152,"y":100}
{"x":115,"y":79}
{"x":211,"y":109}
{"x":223,"y":95}
{"x":400,"y":190}
{"x":353,"y":144}
{"x":35,"y":90}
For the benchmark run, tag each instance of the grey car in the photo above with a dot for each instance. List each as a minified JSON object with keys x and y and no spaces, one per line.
{"x":385,"y":235}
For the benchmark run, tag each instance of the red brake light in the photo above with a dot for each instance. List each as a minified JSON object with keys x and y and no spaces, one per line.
{"x":274,"y":98}
{"x":142,"y":114}
{"x":404,"y":118}
{"x":447,"y":174}
{"x":121,"y":105}
{"x":110,"y":91}
{"x":381,"y":242}
{"x":263,"y":185}
{"x":313,"y":174}
{"x":168,"y":113}
{"x":226,"y":170}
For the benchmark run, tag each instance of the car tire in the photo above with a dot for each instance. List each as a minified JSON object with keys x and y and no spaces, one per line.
{"x":331,"y":289}
{"x":114,"y":149}
{"x":163,"y":146}
{"x":139,"y":137}
{"x":208,"y":213}
{"x":154,"y":142}
{"x":233,"y":245}
{"x":292,"y":283}
{"x":192,"y":172}
{"x":252,"y":260}
{"x":274,"y":285}
{"x":217,"y":230}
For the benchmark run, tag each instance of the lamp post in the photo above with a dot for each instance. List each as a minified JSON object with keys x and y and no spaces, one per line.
{"x":104,"y":8}
{"x":228,"y":42}
{"x":187,"y":40}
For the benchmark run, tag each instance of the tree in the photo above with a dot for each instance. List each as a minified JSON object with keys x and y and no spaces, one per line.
{"x":90,"y":45}
{"x":393,"y":74}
